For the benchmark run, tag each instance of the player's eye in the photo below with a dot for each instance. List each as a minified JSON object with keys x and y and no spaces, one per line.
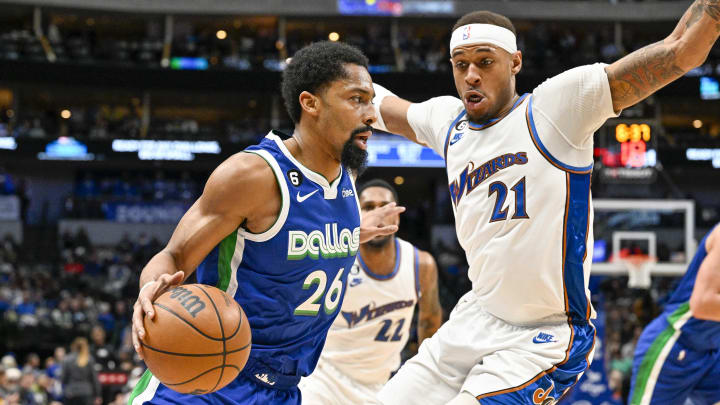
{"x":356,"y":99}
{"x":487,"y":61}
{"x":461,"y":65}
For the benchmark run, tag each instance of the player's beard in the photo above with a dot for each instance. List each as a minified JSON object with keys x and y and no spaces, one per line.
{"x":352,"y":156}
{"x":379,"y":241}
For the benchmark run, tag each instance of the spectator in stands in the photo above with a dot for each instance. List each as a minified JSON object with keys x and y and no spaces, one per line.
{"x":102,"y":352}
{"x":53,"y":363}
{"x":32,"y":364}
{"x":7,"y":186}
{"x":79,"y":378}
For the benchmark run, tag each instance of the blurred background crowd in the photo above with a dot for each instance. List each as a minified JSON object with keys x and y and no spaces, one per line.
{"x":112,"y":118}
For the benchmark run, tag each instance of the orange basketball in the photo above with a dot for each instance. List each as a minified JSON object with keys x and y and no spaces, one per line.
{"x":199,"y":340}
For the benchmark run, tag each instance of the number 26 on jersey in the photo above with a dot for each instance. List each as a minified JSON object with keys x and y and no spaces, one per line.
{"x":311,"y":306}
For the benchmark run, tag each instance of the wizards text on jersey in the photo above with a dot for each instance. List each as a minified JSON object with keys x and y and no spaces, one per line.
{"x":472,"y":177}
{"x":368,"y":313}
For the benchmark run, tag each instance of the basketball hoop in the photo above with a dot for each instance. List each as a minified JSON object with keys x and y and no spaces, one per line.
{"x":638,"y":267}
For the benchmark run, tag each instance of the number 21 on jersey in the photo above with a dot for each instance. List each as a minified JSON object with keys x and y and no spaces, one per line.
{"x":501,"y":190}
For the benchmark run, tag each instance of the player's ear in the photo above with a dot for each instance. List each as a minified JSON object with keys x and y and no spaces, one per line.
{"x":516,"y":60}
{"x":309,"y":103}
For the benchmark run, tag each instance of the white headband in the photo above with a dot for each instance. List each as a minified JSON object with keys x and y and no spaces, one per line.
{"x":483,"y":34}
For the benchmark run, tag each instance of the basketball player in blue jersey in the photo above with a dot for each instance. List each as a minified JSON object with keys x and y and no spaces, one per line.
{"x":678,"y":354}
{"x":278,"y":227}
{"x":519,"y":169}
{"x":363,"y":346}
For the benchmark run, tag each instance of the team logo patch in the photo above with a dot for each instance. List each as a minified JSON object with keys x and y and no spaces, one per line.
{"x":266,"y":378}
{"x":542,"y":397}
{"x":296,"y":178}
{"x":347,"y":193}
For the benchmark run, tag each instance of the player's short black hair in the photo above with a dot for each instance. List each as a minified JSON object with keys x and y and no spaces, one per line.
{"x":485,"y":17}
{"x":378,"y":183}
{"x":314,"y":67}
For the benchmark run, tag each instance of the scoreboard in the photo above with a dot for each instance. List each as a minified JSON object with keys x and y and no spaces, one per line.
{"x":626,"y":151}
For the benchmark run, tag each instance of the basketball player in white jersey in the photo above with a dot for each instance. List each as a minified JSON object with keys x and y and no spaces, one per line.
{"x":519,"y":171}
{"x":363,"y":346}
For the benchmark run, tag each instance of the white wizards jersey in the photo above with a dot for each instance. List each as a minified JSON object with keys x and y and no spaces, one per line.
{"x":520,"y":190}
{"x":365,"y":340}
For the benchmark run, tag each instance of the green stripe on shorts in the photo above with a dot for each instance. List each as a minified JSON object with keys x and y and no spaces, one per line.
{"x":140,"y":386}
{"x":651,"y":356}
{"x":225,"y":255}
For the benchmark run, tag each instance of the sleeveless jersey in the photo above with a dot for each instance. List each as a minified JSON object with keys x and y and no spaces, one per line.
{"x":373,"y":327}
{"x":290,"y":279}
{"x":523,"y":217}
{"x":700,"y":333}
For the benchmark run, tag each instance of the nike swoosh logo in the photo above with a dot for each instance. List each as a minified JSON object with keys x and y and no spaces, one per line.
{"x":301,"y":198}
{"x":536,"y":340}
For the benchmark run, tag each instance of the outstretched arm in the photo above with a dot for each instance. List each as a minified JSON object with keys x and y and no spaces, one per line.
{"x":643,"y":72}
{"x":430,"y":314}
{"x":391,"y":112}
{"x":705,"y":298}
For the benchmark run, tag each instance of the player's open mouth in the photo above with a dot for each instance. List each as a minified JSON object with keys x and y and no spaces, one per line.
{"x":361,"y":140}
{"x":473,"y":99}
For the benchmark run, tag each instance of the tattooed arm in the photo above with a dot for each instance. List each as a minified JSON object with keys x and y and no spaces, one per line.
{"x":430,"y":316}
{"x":643,"y":72}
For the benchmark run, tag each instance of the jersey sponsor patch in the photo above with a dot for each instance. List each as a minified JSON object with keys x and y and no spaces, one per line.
{"x":328,"y":244}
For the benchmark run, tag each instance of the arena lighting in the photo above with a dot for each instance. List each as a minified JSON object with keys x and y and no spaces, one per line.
{"x":65,"y":148}
{"x":8,"y":143}
{"x":399,"y":180}
{"x":712,"y":155}
{"x":188,"y":63}
{"x":221,"y":34}
{"x":165,"y":150}
{"x":394,"y":151}
{"x":65,"y":114}
{"x":709,"y":88}
{"x":333,"y":36}
{"x":697,"y":124}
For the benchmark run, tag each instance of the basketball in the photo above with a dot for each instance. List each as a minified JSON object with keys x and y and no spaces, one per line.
{"x":199,"y":340}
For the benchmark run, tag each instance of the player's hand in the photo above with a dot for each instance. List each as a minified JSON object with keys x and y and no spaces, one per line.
{"x":143,"y":304}
{"x":371,"y":224}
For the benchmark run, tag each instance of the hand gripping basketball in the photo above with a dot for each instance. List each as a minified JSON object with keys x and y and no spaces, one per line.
{"x":143,"y":305}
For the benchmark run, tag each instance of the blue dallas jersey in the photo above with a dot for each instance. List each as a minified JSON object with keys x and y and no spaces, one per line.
{"x":701,"y":334}
{"x":291,"y":279}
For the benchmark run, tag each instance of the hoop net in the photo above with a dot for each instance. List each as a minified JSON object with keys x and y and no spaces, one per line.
{"x":638,"y":267}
